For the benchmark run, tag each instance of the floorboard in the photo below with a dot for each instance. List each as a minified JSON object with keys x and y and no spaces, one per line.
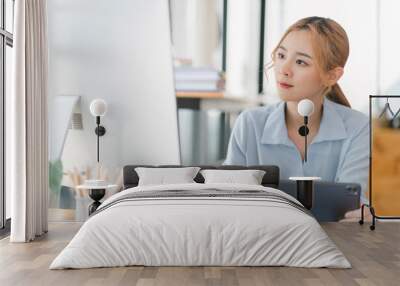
{"x":374,"y":255}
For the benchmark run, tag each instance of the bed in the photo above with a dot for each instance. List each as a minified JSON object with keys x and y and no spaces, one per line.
{"x":201,"y":224}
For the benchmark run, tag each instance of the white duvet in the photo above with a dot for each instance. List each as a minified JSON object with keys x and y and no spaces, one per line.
{"x":200,"y":231}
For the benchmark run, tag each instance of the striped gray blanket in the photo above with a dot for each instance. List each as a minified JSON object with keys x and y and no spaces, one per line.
{"x":207,"y":194}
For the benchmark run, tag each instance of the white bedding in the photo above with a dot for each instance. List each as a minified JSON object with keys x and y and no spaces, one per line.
{"x":200,"y":231}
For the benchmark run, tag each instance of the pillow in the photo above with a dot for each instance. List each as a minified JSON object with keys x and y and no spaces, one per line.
{"x":161,"y":176}
{"x":248,"y":177}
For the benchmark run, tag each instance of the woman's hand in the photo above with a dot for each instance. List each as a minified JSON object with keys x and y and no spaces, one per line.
{"x":355,"y":215}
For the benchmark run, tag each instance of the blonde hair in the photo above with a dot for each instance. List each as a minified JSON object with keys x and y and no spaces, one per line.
{"x":331,"y":48}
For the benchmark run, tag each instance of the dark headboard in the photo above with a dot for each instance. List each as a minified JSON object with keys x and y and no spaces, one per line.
{"x":270,"y":179}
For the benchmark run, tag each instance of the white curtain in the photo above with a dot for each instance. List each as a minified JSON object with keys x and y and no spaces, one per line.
{"x":28,"y":122}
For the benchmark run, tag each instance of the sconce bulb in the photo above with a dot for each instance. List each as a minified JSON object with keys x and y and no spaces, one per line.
{"x":305,"y":107}
{"x":98,"y":107}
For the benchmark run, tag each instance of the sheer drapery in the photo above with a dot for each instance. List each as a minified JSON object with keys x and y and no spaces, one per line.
{"x":28,"y":123}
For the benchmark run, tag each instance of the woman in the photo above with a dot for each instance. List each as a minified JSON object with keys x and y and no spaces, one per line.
{"x":308,"y":62}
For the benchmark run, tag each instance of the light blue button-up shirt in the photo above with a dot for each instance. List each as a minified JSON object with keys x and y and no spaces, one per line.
{"x":338,"y":153}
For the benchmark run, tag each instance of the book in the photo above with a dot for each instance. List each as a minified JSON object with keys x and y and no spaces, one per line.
{"x":190,"y":73}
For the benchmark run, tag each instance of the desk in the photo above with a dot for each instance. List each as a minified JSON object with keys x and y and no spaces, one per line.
{"x":216,"y":100}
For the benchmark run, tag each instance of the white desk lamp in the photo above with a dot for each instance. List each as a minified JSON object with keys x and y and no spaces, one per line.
{"x":98,"y":108}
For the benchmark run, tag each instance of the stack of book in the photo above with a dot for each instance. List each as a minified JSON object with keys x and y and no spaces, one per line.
{"x":198,"y":79}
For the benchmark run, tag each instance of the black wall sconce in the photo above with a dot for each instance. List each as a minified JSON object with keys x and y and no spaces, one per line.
{"x":98,"y":108}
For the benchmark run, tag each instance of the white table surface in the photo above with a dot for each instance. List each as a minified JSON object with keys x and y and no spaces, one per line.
{"x":96,"y":187}
{"x":304,"y":178}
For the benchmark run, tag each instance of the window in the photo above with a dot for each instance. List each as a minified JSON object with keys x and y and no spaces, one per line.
{"x":6,"y":44}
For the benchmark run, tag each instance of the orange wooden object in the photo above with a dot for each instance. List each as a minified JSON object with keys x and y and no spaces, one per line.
{"x":386,"y":171}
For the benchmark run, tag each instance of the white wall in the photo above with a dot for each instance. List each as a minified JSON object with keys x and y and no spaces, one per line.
{"x":119,"y":51}
{"x":389,"y":47}
{"x":179,"y":15}
{"x":243,"y":45}
{"x":197,"y":31}
{"x":358,"y":18}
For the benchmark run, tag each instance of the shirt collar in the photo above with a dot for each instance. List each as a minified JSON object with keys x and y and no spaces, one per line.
{"x":331,"y":128}
{"x":275,"y":131}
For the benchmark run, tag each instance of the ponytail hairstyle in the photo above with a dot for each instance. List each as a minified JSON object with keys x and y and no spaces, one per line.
{"x":331,"y":48}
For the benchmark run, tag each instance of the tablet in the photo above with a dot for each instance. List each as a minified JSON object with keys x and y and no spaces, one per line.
{"x":331,"y":200}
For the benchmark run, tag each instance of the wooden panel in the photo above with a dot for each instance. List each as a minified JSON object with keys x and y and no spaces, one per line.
{"x":386,"y":171}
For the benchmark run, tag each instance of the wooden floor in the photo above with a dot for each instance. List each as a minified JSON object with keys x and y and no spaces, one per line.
{"x":375,"y":257}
